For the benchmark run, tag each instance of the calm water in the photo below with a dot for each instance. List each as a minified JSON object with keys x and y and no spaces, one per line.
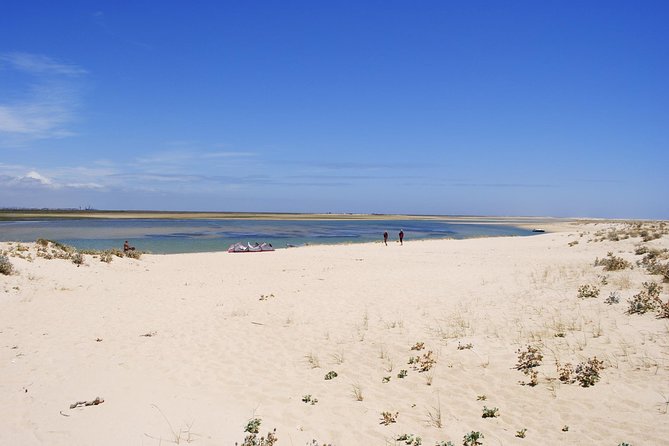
{"x":177,"y":236}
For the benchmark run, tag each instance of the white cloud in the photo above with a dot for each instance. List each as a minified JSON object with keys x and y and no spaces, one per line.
{"x":45,"y":104}
{"x":33,"y":175}
{"x":20,"y":177}
{"x":39,"y":64}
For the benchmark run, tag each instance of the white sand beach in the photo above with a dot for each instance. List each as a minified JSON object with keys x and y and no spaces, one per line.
{"x":187,"y":348}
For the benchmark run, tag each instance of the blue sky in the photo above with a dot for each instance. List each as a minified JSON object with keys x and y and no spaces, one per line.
{"x":432,"y":107}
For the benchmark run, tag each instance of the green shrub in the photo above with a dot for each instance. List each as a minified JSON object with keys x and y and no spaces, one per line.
{"x":490,"y":413}
{"x":587,"y":373}
{"x":77,"y":258}
{"x":472,"y":439}
{"x":410,"y":439}
{"x":253,"y":429}
{"x":646,"y":300}
{"x":106,"y":257}
{"x":6,"y":266}
{"x":588,"y":291}
{"x":613,"y":263}
{"x":134,"y":254}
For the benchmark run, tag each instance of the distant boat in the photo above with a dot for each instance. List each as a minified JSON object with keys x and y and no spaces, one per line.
{"x":538,"y":230}
{"x":251,"y":247}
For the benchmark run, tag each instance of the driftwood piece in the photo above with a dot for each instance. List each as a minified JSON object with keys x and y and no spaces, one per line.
{"x":94,"y":402}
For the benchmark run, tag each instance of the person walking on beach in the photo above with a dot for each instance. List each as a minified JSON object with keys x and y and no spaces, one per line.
{"x":385,"y":238}
{"x":401,"y":237}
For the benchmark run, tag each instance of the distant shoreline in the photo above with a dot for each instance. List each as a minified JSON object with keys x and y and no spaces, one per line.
{"x":14,"y":214}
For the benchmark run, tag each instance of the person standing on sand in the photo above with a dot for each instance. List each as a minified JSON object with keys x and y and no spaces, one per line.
{"x":385,"y":238}
{"x":401,"y":237}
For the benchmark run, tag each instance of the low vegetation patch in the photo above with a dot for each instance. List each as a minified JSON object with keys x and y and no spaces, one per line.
{"x":655,"y":261}
{"x":6,"y":266}
{"x":309,"y":399}
{"x":588,"y":292}
{"x":585,"y":373}
{"x":647,"y":231}
{"x":646,"y":300}
{"x":490,"y":413}
{"x":388,"y":418}
{"x":253,"y":429}
{"x":410,"y":439}
{"x":424,"y":362}
{"x":614,"y":298}
{"x":472,"y":439}
{"x":528,"y":360}
{"x":612,"y":263}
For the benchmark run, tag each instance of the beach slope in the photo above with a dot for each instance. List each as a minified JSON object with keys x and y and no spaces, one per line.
{"x":523,"y":340}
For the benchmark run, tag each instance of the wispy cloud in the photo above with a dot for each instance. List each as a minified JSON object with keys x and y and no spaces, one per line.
{"x":15,"y":177}
{"x":39,"y":64}
{"x":179,"y":157}
{"x":45,"y":103}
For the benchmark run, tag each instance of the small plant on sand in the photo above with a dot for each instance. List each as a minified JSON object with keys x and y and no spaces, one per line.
{"x":444,"y":443}
{"x":587,"y":373}
{"x":133,"y":254}
{"x":468,"y":346}
{"x":481,"y":397}
{"x":588,"y":292}
{"x":410,"y":439}
{"x":490,"y":413}
{"x":652,"y":261}
{"x":402,"y":374}
{"x":309,"y":399}
{"x":614,"y":298}
{"x":388,"y":418}
{"x":574,"y":243}
{"x":565,"y":428}
{"x":472,"y":439}
{"x":527,"y":360}
{"x":330,"y":375}
{"x":646,"y":300}
{"x":313,"y":361}
{"x":423,"y":363}
{"x":357,"y":392}
{"x":385,"y":379}
{"x":663,"y":311}
{"x":6,"y":267}
{"x":106,"y":256}
{"x":521,"y":433}
{"x":612,"y":263}
{"x":253,"y":429}
{"x":78,"y":259}
{"x":418,"y":346}
{"x":434,"y":415}
{"x":566,"y":373}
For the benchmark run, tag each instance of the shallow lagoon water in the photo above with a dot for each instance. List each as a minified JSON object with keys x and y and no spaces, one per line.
{"x":162,"y":236}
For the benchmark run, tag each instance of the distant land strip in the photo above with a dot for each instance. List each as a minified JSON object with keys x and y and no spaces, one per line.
{"x":31,"y":214}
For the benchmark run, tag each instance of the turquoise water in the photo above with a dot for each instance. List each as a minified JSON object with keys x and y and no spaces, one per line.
{"x":161,"y":236}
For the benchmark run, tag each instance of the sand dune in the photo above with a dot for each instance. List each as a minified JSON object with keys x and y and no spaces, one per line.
{"x":188,"y":348}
